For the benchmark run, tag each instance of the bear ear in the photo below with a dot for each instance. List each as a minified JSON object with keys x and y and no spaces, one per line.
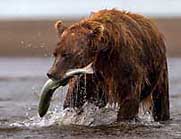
{"x":59,"y":27}
{"x":97,"y":32}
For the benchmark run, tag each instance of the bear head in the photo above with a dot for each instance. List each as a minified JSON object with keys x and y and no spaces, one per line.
{"x":77,"y":47}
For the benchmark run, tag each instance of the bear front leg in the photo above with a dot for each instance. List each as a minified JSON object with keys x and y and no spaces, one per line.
{"x":75,"y":94}
{"x":85,"y":88}
{"x":128,"y":108}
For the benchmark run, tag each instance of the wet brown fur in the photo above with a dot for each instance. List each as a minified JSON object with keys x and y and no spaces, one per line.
{"x":129,"y":59}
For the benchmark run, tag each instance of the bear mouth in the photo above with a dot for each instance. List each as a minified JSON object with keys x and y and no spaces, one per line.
{"x":51,"y":85}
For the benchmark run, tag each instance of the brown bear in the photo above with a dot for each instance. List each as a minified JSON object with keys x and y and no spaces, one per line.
{"x":128,"y":57}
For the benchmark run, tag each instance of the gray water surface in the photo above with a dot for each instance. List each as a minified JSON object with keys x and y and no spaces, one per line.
{"x":20,"y":82}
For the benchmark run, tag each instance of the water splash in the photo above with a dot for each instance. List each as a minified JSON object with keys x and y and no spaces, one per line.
{"x":90,"y":115}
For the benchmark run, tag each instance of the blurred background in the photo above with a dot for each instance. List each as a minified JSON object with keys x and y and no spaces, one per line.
{"x":27,"y":26}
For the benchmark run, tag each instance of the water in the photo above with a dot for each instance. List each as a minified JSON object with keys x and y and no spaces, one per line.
{"x":20,"y":82}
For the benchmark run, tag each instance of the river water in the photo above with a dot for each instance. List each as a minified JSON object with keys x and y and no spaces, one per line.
{"x":21,"y":80}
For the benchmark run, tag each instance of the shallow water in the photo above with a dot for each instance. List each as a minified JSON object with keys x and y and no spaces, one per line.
{"x":20,"y":82}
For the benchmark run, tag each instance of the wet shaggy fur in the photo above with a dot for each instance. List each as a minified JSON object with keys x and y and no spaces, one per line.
{"x":129,"y":59}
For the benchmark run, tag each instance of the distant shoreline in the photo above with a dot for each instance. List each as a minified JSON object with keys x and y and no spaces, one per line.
{"x":37,"y":38}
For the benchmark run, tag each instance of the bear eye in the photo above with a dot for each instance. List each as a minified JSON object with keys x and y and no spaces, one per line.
{"x":66,"y":55}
